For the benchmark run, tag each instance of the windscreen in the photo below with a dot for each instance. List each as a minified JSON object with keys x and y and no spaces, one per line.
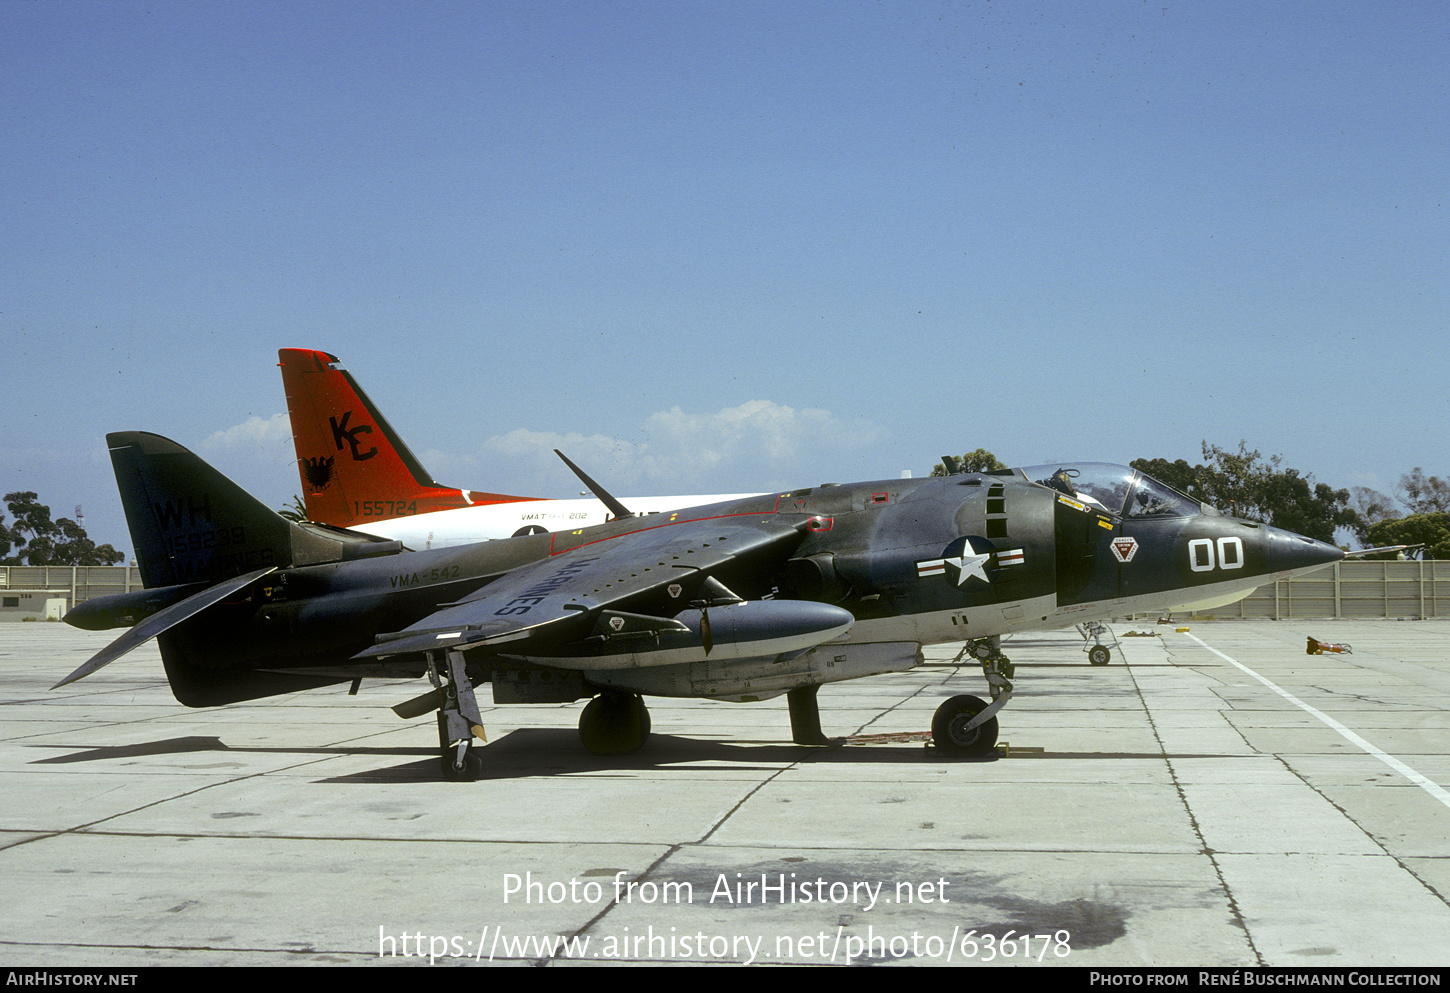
{"x":1115,"y":490}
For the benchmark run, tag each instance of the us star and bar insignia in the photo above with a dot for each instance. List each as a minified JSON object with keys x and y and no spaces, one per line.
{"x":963,"y":562}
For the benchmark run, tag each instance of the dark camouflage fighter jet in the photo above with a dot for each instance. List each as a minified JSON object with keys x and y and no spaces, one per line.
{"x":743,"y":600}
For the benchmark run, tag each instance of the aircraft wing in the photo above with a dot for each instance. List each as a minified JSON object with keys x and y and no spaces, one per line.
{"x":652,"y":573}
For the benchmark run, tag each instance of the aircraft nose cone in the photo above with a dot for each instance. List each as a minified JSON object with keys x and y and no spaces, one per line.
{"x":1294,"y":553}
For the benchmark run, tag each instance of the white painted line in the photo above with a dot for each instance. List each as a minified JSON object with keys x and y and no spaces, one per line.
{"x":1428,"y":785}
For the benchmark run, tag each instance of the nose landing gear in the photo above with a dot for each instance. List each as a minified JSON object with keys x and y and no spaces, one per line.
{"x":1097,"y":652}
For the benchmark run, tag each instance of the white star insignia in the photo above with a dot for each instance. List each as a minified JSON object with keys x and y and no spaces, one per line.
{"x":970,"y":565}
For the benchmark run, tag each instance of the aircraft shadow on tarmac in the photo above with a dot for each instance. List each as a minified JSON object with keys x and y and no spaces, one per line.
{"x":533,"y":752}
{"x":524,"y":753}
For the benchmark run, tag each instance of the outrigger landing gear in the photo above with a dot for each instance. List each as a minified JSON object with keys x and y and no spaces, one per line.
{"x":966,"y":726}
{"x":458,"y":719}
{"x":614,"y":723}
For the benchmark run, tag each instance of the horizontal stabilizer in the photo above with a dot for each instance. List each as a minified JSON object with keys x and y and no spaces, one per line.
{"x":122,"y":610}
{"x":162,"y":621}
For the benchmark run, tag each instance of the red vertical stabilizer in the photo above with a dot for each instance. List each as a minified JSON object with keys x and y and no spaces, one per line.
{"x":353,"y":466}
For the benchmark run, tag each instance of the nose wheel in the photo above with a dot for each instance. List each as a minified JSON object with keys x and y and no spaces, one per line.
{"x":1097,"y":652}
{"x":965,"y":727}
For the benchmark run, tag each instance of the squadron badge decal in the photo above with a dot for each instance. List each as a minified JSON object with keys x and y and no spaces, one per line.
{"x":318,"y":472}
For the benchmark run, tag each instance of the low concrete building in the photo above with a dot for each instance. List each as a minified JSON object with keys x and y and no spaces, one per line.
{"x":33,"y":605}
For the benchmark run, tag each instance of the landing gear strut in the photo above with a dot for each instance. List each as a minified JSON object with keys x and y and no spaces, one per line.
{"x":1097,"y":652}
{"x":458,"y":719}
{"x":614,"y":723}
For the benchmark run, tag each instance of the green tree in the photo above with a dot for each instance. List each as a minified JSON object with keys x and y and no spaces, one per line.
{"x":1245,"y":484}
{"x":980,"y":460}
{"x":1431,"y":530}
{"x":1240,"y":480}
{"x":1297,"y":503}
{"x":38,"y":540}
{"x":1421,"y":495}
{"x":294,"y":511}
{"x":1372,"y":506}
{"x":1178,"y":474}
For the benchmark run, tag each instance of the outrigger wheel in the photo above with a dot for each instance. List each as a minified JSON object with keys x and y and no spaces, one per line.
{"x":459,"y":762}
{"x":614,"y":723}
{"x":949,"y":734}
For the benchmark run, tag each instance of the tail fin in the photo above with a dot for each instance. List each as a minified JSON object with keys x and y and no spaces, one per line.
{"x":191,"y":524}
{"x":201,"y":541}
{"x":354,"y":468}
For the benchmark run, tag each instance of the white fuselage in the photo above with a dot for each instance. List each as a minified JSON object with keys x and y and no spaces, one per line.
{"x":468,"y":525}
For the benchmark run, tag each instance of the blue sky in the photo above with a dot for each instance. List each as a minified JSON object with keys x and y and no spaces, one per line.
{"x":713,"y":247}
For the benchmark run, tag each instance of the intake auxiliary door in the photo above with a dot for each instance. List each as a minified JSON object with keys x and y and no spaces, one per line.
{"x":1087,"y":570}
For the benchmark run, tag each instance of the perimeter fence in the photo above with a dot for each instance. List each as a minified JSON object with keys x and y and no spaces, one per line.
{"x":1413,"y":590}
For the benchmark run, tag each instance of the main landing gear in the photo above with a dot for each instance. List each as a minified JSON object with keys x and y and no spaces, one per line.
{"x":614,"y":723}
{"x":965,"y":727}
{"x":617,"y":723}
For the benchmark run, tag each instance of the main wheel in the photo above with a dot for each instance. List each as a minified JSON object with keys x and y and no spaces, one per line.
{"x":949,"y":734}
{"x":1099,"y":655}
{"x":614,"y":724}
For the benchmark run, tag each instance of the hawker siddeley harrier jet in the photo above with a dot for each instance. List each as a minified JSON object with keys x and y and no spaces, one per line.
{"x":743,"y":600}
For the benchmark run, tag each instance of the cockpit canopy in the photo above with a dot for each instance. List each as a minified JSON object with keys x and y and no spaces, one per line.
{"x":1114,"y":489}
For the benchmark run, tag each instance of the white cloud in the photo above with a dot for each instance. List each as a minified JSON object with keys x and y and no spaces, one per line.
{"x":252,"y":431}
{"x":756,"y":428}
{"x":522,"y":441}
{"x":742,"y":447}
